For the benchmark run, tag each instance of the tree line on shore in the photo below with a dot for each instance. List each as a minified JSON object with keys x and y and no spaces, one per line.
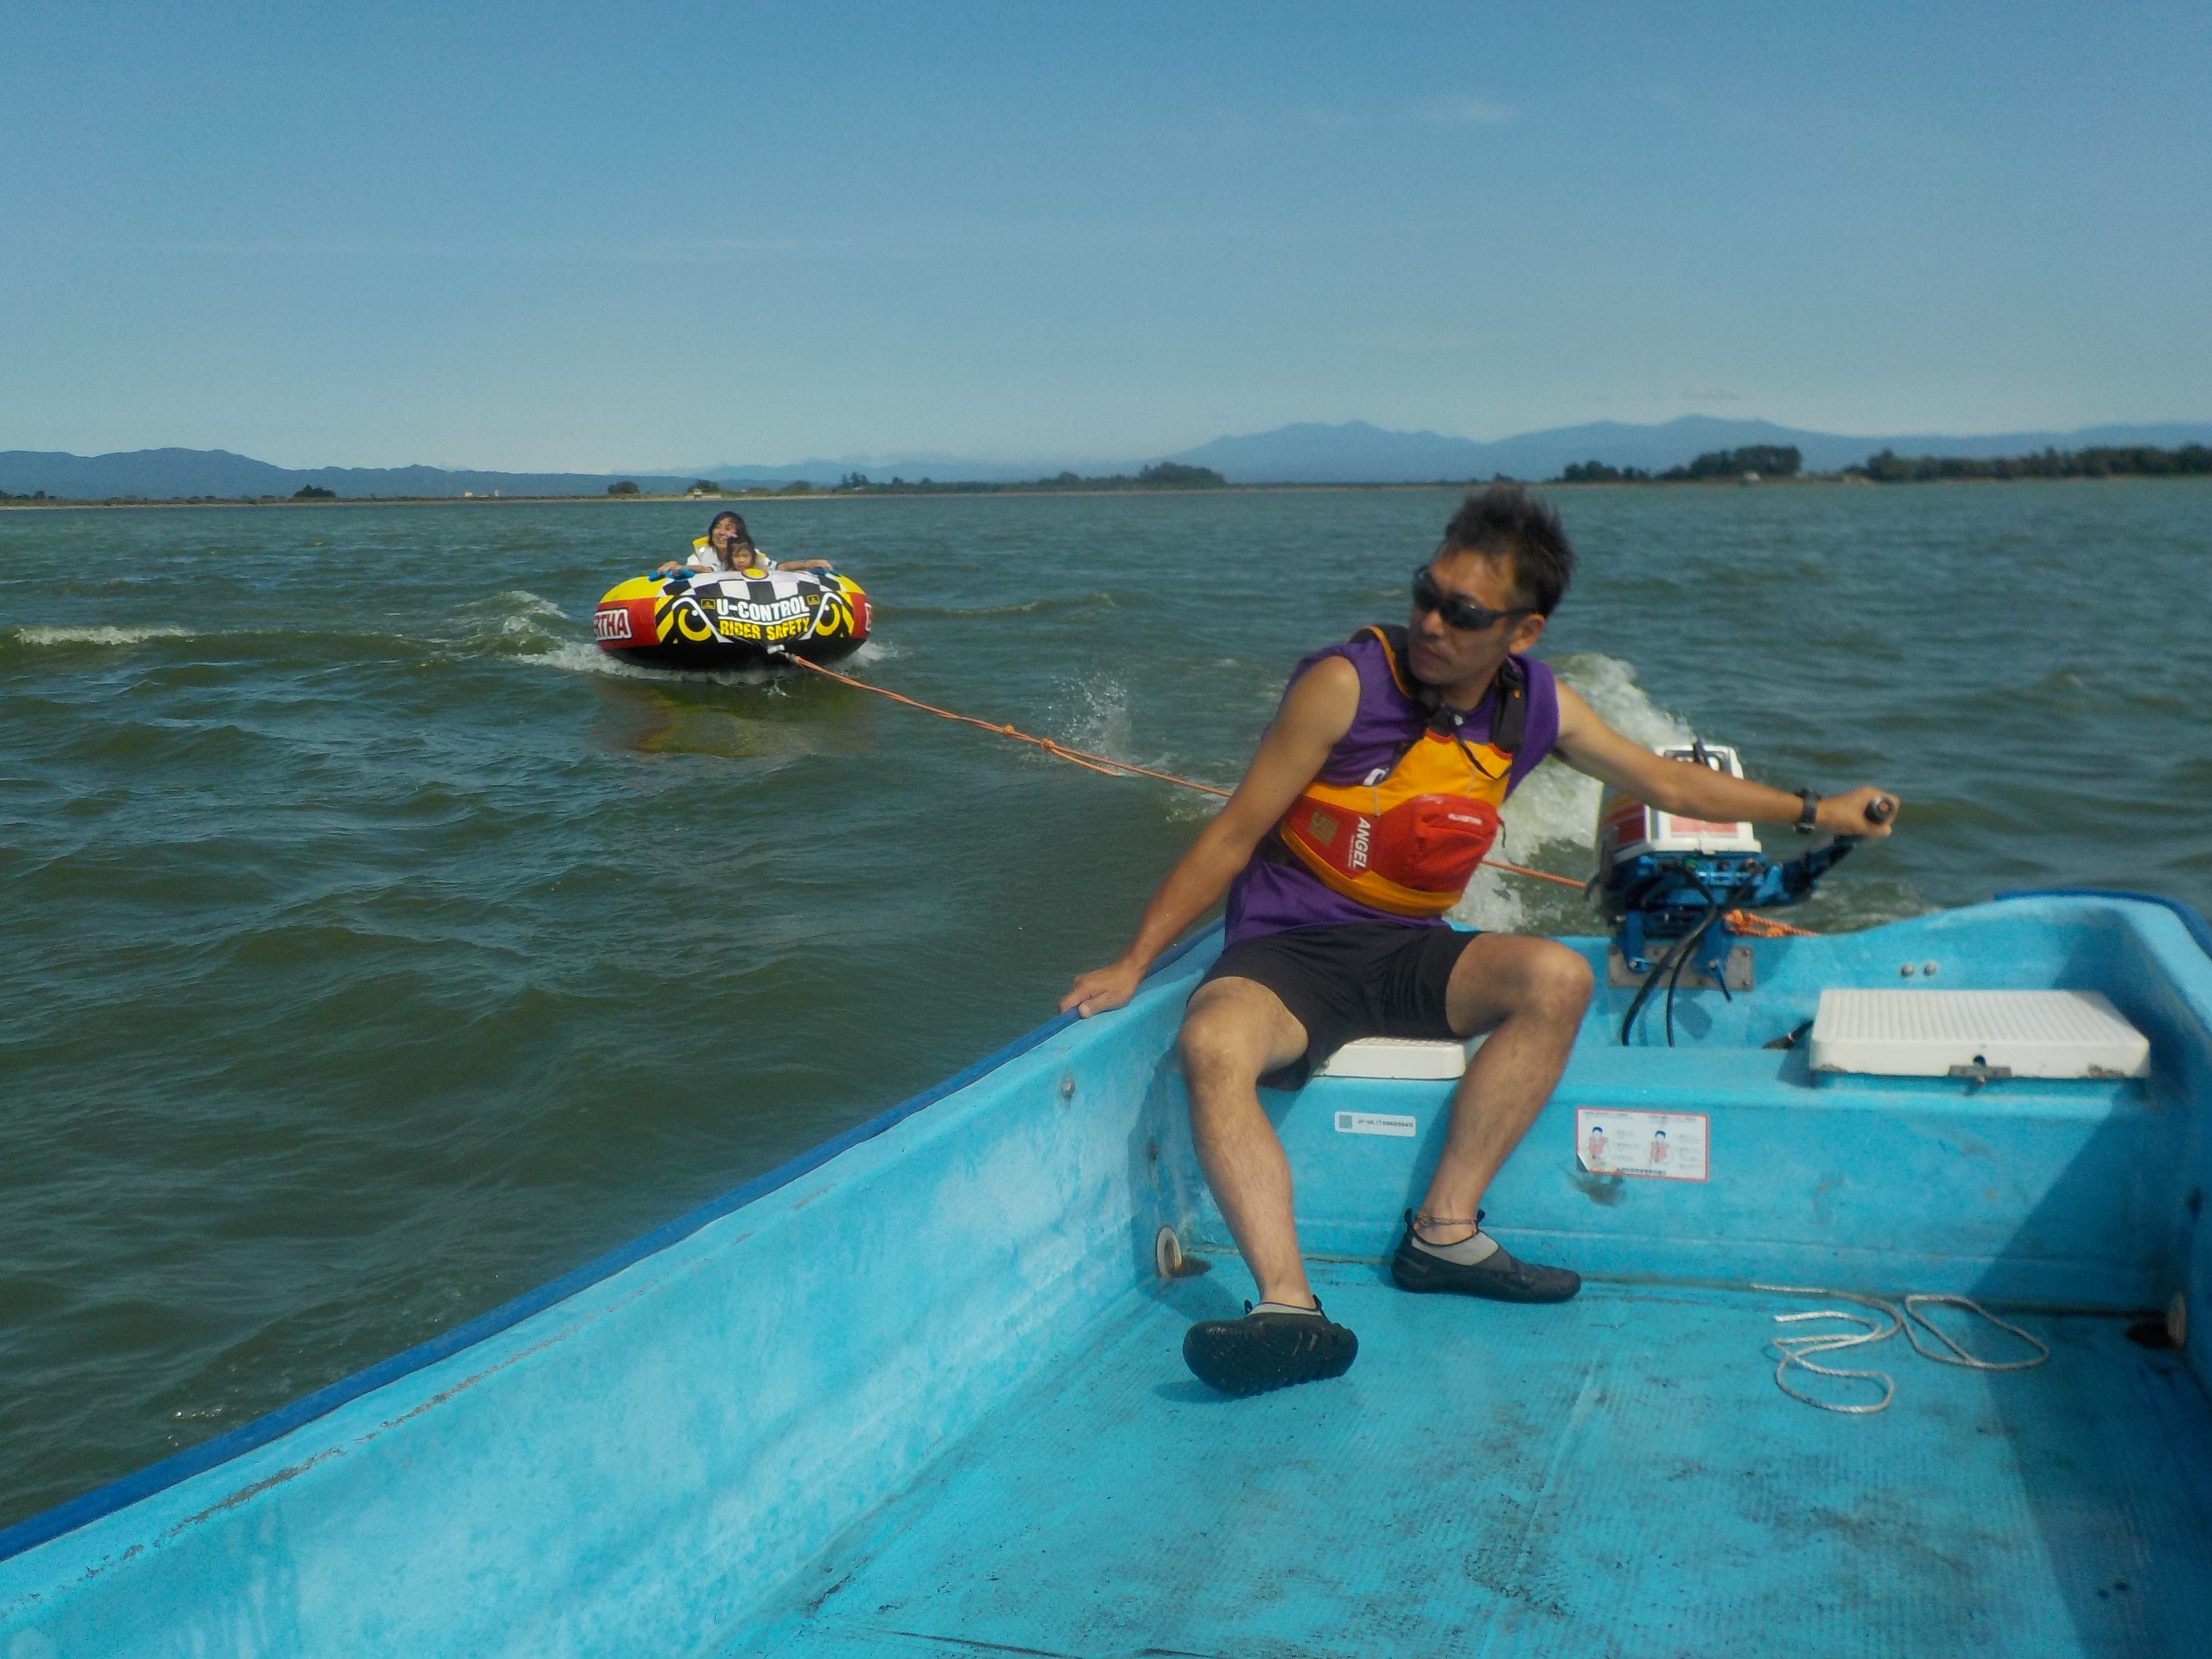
{"x":2133,"y":461}
{"x":1761,"y":461}
{"x":1165,"y":475}
{"x":1752,"y":461}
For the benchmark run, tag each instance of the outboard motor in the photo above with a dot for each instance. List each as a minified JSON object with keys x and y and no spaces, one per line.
{"x":1667,"y":882}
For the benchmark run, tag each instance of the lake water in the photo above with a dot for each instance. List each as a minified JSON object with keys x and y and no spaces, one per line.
{"x":375,"y":950}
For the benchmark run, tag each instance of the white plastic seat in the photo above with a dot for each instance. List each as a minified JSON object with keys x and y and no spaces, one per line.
{"x":1977,"y":1034}
{"x":1403,"y":1059}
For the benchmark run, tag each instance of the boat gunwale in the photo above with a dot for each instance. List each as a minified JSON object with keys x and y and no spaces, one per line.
{"x":2199,"y":930}
{"x":75,"y":1513}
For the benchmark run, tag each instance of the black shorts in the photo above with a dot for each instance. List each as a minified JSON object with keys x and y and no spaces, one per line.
{"x":1357,"y":979}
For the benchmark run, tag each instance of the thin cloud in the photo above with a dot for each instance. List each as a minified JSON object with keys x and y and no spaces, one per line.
{"x":1712,"y":395}
{"x":1468,"y":112}
{"x":1420,"y":342}
{"x":902,"y":244}
{"x":573,"y":251}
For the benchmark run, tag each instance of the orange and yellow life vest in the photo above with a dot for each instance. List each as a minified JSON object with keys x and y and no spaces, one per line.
{"x":1406,"y":839}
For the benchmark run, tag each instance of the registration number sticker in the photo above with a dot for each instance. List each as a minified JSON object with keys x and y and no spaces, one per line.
{"x":1376,"y":1123}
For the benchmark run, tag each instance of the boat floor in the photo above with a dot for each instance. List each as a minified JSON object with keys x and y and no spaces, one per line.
{"x":1620,"y":1475}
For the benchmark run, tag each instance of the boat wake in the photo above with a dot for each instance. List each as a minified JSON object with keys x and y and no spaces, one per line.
{"x":98,"y":636}
{"x":530,"y":639}
{"x":516,"y":622}
{"x":1102,"y":719}
{"x":1100,"y":723}
{"x":573,"y":657}
{"x":1043,"y":606}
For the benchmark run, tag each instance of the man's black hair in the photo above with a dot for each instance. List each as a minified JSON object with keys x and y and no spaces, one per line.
{"x":1506,"y":521}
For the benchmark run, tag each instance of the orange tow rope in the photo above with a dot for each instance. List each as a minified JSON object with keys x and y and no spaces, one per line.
{"x":1743,"y":920}
{"x":1082,"y":757}
{"x":1765,"y":926}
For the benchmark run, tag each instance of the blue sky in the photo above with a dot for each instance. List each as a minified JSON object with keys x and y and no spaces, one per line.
{"x":594,"y":237}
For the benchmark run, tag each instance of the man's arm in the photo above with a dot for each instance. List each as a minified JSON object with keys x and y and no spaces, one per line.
{"x":1588,"y":745}
{"x":1317,"y":713}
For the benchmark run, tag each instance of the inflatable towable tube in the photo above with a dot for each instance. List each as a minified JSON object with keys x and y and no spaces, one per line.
{"x":724,"y":619}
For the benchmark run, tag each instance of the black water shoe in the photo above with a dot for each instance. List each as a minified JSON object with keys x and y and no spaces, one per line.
{"x":1497,"y":1276}
{"x":1267,"y":1350}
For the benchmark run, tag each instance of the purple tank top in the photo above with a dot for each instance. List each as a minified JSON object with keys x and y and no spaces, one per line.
{"x":1272,"y":897}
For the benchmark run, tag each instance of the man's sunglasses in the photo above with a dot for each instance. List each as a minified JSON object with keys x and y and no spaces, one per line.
{"x":1458,"y":613}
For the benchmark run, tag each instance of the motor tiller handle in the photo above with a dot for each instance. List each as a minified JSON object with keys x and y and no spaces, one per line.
{"x":1880,"y":809}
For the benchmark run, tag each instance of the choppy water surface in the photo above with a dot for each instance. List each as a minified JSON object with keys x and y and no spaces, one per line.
{"x":375,"y":950}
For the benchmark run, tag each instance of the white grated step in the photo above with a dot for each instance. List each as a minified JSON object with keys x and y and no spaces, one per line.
{"x":2047,"y":1034}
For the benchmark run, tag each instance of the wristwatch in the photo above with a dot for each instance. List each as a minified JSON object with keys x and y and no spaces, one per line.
{"x":1808,"y":815}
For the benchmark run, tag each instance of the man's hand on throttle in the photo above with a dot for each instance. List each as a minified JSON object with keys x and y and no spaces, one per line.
{"x":1101,"y":989}
{"x":1846,"y":815}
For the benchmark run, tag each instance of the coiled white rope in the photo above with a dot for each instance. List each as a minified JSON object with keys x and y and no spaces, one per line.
{"x":1796,"y":1350}
{"x":1958,"y":1356}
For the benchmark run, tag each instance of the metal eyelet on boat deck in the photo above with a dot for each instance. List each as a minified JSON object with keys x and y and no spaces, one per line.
{"x":1167,"y":1252}
{"x":1169,"y":1260}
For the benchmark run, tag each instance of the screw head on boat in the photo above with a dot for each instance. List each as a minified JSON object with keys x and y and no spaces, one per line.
{"x":1067,"y":1086}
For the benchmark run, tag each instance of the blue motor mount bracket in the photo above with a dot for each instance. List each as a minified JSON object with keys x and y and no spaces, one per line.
{"x":1658,"y":899}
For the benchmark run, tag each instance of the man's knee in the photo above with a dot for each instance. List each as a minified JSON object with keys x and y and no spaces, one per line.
{"x":1215,"y":1049}
{"x":1501,"y":977}
{"x":1233,"y":1032}
{"x":1558,"y":982}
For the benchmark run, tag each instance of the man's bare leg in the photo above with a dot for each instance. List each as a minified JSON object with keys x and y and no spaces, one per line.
{"x":1530,"y":995}
{"x":1236,"y":1031}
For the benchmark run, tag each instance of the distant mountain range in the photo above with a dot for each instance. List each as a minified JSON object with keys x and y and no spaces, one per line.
{"x":1308,"y":453}
{"x":162,"y":474}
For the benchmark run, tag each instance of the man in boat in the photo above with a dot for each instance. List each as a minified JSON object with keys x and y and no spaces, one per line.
{"x":1370,"y":803}
{"x":728,"y":546}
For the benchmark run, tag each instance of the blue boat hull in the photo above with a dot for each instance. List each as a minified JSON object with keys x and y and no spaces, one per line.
{"x":922,"y":1390}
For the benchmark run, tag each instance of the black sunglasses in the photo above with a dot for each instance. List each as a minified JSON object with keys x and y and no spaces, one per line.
{"x":1458,"y":613}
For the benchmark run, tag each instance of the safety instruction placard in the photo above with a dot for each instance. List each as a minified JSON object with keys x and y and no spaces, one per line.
{"x":1664,"y":1145}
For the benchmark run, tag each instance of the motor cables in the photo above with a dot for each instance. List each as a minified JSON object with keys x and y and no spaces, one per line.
{"x":1670,"y":966}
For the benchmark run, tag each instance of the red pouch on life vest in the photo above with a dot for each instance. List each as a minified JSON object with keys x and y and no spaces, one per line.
{"x":1434,"y":841}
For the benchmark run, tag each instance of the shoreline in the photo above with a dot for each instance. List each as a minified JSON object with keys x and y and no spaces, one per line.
{"x":1819,"y":480}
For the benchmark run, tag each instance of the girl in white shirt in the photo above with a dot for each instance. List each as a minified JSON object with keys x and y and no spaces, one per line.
{"x":728,"y":546}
